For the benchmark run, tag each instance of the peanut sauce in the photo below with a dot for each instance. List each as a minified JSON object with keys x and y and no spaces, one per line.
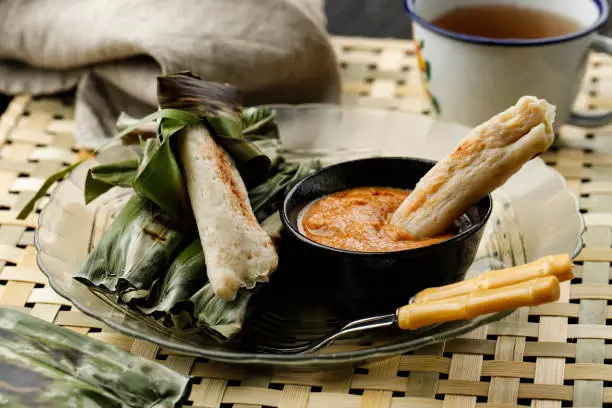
{"x":358,"y":220}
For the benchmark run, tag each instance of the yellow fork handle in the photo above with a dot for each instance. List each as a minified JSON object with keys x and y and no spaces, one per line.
{"x":528,"y":293}
{"x":559,"y":266}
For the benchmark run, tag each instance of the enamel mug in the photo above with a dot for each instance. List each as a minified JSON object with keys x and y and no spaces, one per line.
{"x":470,"y":79}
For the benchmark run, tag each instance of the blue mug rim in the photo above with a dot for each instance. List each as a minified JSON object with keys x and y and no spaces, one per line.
{"x":602,"y":5}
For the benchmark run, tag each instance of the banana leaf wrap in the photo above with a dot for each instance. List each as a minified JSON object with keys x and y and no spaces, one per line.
{"x":150,"y":257}
{"x":137,"y":247}
{"x":220,"y":106}
{"x":102,"y":178}
{"x":215,"y":105}
{"x":43,"y":365}
{"x":185,"y":299}
{"x":161,"y":271}
{"x":188,"y":101}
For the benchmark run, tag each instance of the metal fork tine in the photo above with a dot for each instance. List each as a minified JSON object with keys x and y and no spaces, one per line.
{"x":353,"y":327}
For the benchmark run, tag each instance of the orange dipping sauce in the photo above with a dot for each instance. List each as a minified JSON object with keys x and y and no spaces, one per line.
{"x":358,"y":220}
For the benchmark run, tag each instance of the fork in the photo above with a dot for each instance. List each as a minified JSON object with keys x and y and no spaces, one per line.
{"x":495,"y":291}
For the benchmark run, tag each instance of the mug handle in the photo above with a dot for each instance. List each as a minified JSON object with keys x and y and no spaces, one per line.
{"x":600,"y":44}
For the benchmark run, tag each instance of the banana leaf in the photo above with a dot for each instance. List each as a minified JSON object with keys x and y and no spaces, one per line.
{"x":267,"y":197}
{"x":174,"y":289}
{"x":185,"y":276}
{"x":160,"y":178}
{"x":150,"y":257}
{"x":186,"y":100}
{"x":225,"y":318}
{"x":185,"y":299}
{"x":220,"y":106}
{"x":259,"y":122}
{"x":183,"y":117}
{"x":149,"y":148}
{"x":134,"y":252}
{"x":102,"y":178}
{"x":43,"y":365}
{"x":48,"y":183}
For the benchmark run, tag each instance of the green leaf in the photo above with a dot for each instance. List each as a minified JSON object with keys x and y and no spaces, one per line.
{"x":44,"y":365}
{"x":175,"y":114}
{"x":181,"y":116}
{"x":258,"y":121}
{"x":185,"y":276}
{"x":175,"y":289}
{"x":220,"y":107}
{"x":169,"y":127}
{"x":134,"y":252}
{"x":149,"y":148}
{"x":435,"y":104}
{"x":266,"y":198}
{"x":226,"y":124}
{"x":102,"y":178}
{"x":184,"y":298}
{"x":55,"y":177}
{"x":185,"y":100}
{"x":224,"y":318}
{"x":160,"y":180}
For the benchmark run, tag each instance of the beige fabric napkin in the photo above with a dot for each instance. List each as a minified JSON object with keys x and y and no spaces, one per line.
{"x":277,"y":51}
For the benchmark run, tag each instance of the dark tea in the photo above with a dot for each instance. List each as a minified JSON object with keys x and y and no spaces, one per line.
{"x":506,"y":21}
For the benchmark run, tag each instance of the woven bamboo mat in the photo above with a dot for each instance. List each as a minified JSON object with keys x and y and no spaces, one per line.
{"x":549,"y":356}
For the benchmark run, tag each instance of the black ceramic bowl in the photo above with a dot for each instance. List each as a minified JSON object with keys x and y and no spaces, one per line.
{"x":367,"y":283}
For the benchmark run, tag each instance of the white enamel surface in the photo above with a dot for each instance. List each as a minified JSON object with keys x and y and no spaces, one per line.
{"x":473,"y":82}
{"x":542,"y":218}
{"x":583,"y":11}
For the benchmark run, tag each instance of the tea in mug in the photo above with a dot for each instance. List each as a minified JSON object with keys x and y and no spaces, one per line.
{"x":506,"y":21}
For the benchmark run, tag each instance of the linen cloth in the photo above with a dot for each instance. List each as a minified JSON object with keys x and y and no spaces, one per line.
{"x":276,"y":51}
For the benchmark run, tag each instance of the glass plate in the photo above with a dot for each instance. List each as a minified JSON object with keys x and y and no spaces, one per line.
{"x":535,"y":214}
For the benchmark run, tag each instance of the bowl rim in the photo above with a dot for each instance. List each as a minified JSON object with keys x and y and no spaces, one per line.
{"x":461,"y":236}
